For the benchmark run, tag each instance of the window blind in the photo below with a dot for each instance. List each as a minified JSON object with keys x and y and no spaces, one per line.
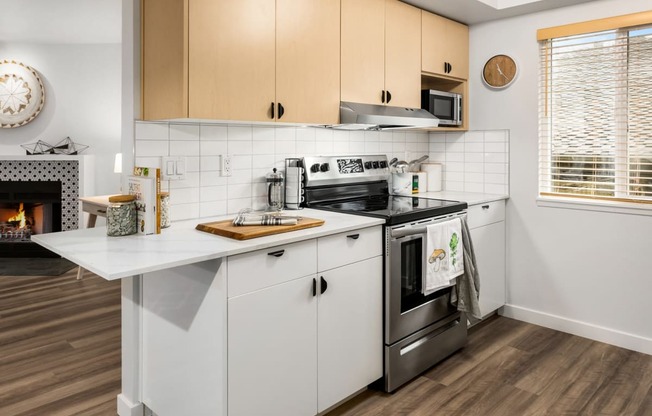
{"x":595,"y":115}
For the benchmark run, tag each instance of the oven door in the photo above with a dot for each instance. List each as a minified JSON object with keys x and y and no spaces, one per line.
{"x":408,"y":309}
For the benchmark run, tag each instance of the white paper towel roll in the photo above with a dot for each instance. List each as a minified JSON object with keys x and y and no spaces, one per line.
{"x":434,"y":176}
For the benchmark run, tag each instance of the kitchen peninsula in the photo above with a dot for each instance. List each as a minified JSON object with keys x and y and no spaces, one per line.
{"x":178,"y":285}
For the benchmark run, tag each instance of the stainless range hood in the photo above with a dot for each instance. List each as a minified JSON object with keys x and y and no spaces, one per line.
{"x":357,"y":116}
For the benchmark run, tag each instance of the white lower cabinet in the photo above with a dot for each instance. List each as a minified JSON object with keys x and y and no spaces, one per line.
{"x":350,"y":349}
{"x":487,"y":226}
{"x":298,"y":347}
{"x":272,"y":351}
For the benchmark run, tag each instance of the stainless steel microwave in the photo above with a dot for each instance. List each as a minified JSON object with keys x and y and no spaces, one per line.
{"x":446,"y":106}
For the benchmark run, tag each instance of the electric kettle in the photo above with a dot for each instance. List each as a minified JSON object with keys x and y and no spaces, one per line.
{"x":275,"y":191}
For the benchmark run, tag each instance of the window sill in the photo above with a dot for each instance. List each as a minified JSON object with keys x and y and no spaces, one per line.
{"x":629,"y":208}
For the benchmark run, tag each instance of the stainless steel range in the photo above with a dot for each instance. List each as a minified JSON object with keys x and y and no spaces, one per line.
{"x":419,"y":330}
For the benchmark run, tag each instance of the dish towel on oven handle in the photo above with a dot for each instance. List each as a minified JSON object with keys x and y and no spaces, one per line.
{"x":467,"y":290}
{"x":445,"y":251}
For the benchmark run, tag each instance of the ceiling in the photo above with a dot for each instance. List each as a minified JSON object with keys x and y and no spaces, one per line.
{"x":100,"y":21}
{"x":61,"y":21}
{"x":473,"y":12}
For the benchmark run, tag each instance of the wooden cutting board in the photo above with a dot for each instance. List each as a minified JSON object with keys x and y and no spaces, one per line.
{"x":245,"y":232}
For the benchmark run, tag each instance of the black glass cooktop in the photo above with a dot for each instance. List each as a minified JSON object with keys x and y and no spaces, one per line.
{"x":394,"y":209}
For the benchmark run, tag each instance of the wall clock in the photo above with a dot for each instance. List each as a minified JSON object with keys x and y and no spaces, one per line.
{"x":21,"y":94}
{"x":499,"y":71}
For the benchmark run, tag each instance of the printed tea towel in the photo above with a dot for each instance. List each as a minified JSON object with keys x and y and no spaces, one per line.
{"x":445,"y":255}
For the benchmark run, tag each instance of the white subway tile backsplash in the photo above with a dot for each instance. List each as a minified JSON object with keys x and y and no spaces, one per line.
{"x":213,"y":193}
{"x":235,"y":205}
{"x":239,"y":176}
{"x":184,"y":148}
{"x":474,"y":161}
{"x":211,"y":178}
{"x":473,"y":147}
{"x":152,"y":148}
{"x":152,"y":131}
{"x":240,"y":133}
{"x":496,"y":136}
{"x":473,"y":187}
{"x":264,"y":134}
{"x":285,"y":146}
{"x":210,"y":163}
{"x":183,"y":211}
{"x":240,"y":147}
{"x":263,"y":147}
{"x":184,"y":196}
{"x":212,"y":208}
{"x":437,"y":147}
{"x":213,"y":147}
{"x":209,"y":132}
{"x":184,"y":131}
{"x":191,"y":180}
{"x":152,"y":162}
{"x":495,"y":147}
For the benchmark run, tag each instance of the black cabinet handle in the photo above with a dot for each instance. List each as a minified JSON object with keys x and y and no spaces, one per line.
{"x":278,"y":253}
{"x":353,"y":236}
{"x":389,"y":97}
{"x":272,"y":110}
{"x":101,"y":211}
{"x":281,"y":110}
{"x":324,"y":284}
{"x":314,"y":287}
{"x":485,"y":207}
{"x":382,"y":99}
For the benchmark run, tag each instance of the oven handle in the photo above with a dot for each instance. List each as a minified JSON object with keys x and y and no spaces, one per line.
{"x":417,"y":229}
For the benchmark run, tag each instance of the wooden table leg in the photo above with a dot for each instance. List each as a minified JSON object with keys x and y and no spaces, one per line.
{"x":91,"y":224}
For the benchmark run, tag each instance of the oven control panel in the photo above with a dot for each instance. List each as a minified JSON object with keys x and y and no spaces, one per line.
{"x":332,"y":170}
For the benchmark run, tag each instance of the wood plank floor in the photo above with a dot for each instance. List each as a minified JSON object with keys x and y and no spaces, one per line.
{"x":512,"y":368}
{"x":60,"y":355}
{"x":59,"y":345}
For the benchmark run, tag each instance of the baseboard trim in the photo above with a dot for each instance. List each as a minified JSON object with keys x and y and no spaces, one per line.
{"x":582,"y":329}
{"x":127,"y":408}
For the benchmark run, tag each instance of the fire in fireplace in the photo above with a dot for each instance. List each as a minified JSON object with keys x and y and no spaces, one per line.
{"x":28,"y":208}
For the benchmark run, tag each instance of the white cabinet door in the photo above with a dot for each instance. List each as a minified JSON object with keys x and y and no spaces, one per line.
{"x":350,"y":330}
{"x":272,"y":351}
{"x":489,"y":247}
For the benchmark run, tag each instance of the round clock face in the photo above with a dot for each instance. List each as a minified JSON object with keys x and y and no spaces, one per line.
{"x":499,"y":71}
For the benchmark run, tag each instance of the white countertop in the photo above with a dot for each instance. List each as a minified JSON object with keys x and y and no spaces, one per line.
{"x":117,"y":257}
{"x":471,"y":198}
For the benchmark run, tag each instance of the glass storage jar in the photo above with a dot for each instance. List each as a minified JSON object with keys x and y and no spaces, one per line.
{"x":121,"y":217}
{"x":165,"y":209}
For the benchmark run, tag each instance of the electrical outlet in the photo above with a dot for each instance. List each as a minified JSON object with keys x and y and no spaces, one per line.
{"x":227,"y":165}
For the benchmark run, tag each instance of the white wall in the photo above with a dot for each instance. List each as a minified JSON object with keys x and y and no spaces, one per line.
{"x":82,"y":100}
{"x":584,"y":272}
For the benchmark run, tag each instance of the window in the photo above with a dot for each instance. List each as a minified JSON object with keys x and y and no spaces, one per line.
{"x":595,"y":115}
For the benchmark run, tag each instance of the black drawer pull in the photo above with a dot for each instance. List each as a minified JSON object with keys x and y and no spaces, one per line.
{"x":353,"y":236}
{"x":278,"y":253}
{"x":101,"y":211}
{"x":314,"y":287}
{"x":485,"y":207}
{"x":324,"y":284}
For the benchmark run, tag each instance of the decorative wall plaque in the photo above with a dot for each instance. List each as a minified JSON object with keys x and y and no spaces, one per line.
{"x":21,"y":94}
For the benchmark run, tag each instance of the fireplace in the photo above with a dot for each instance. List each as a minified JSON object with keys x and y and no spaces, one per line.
{"x":28,"y":208}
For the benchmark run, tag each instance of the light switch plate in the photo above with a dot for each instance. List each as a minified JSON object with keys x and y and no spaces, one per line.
{"x":173,"y":168}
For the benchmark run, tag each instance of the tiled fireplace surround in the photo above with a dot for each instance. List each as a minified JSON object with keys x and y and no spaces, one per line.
{"x":474,"y":161}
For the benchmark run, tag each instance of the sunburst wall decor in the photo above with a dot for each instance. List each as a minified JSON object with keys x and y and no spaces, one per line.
{"x":21,"y":94}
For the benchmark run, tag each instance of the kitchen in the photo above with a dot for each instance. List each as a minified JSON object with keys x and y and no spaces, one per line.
{"x":545,"y":282}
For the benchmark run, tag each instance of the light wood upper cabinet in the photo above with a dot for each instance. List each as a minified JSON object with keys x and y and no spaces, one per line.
{"x":232,"y":59}
{"x":308,"y":60}
{"x":402,"y":54}
{"x":444,"y":46}
{"x":363,"y":51}
{"x":381,"y":52}
{"x":164,"y":60}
